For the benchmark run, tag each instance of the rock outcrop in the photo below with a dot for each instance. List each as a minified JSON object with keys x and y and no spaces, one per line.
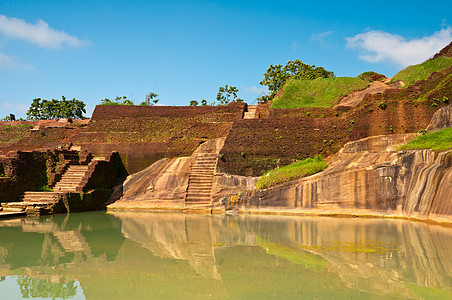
{"x":367,"y":177}
{"x":441,"y":119}
{"x":175,"y":183}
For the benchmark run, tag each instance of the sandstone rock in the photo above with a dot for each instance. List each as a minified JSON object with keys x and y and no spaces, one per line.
{"x":368,"y":175}
{"x":441,"y":119}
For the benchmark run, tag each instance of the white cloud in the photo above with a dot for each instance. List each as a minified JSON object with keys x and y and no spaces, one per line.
{"x":261,"y":91}
{"x":380,"y":46}
{"x":40,"y":33}
{"x":320,"y":37}
{"x":12,"y":63}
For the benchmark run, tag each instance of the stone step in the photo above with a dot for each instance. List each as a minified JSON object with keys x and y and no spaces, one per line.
{"x":198,"y":200}
{"x":77,"y":169}
{"x":39,"y":199}
{"x":67,"y":189}
{"x":68,"y":182}
{"x":196,"y":197}
{"x":202,"y":170}
{"x":195,"y":180}
{"x":74,"y":173}
{"x":198,"y":191}
{"x":201,"y":176}
{"x":12,"y":209}
{"x":32,"y":203}
{"x":204,"y":163}
{"x":40,"y":196}
{"x":201,"y":173}
{"x":205,"y":195}
{"x":53,"y":195}
{"x":39,"y":193}
{"x":207,"y":158}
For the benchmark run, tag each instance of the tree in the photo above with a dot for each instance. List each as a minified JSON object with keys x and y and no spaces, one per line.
{"x":193,"y":103}
{"x":118,"y":101}
{"x":228,"y":94}
{"x":151,"y":97}
{"x":41,"y":109}
{"x":277,"y":75}
{"x":203,"y":102}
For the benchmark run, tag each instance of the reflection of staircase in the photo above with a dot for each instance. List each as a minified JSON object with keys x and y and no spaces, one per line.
{"x":71,"y":179}
{"x":200,"y":180}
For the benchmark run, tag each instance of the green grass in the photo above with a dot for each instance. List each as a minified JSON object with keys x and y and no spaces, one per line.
{"x":412,"y":74}
{"x":438,"y":141}
{"x":320,"y":92}
{"x":293,"y":171}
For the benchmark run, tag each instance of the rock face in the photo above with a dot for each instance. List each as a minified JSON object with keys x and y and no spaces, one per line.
{"x":368,"y":177}
{"x":166,"y":183}
{"x":441,"y":119}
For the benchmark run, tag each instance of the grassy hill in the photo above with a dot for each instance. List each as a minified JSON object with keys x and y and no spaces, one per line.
{"x":421,"y":71}
{"x":320,"y":92}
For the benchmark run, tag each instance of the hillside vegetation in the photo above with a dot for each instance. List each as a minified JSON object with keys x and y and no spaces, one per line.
{"x":320,"y":92}
{"x":438,"y":141}
{"x":293,"y":171}
{"x":421,"y":71}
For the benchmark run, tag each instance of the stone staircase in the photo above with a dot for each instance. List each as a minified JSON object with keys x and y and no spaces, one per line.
{"x":71,"y":179}
{"x":36,"y":201}
{"x":200,"y":180}
{"x":43,"y":202}
{"x":251,"y":113}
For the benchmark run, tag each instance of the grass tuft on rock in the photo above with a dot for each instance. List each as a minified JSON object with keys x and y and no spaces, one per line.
{"x":293,"y":171}
{"x":412,"y":74}
{"x":437,"y":141}
{"x":320,"y":92}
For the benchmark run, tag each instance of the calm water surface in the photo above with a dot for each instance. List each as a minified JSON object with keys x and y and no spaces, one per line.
{"x":150,"y":256}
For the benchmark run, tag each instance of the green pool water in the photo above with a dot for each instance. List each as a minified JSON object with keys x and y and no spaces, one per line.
{"x":180,"y":256}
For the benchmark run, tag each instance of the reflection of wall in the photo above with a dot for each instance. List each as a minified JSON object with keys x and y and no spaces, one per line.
{"x":160,"y":250}
{"x":367,"y":254}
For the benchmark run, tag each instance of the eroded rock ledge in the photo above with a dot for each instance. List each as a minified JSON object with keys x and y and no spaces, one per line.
{"x":367,"y":177}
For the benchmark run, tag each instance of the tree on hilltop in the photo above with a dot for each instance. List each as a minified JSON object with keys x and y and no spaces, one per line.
{"x":117,"y":101}
{"x":277,"y":75}
{"x":151,"y":99}
{"x":42,"y":109}
{"x":228,"y":94}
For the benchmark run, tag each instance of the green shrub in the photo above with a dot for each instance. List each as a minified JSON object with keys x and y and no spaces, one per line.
{"x":383,"y":105}
{"x":293,"y":171}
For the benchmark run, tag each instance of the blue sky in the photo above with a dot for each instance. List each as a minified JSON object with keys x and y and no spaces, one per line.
{"x":185,"y":50}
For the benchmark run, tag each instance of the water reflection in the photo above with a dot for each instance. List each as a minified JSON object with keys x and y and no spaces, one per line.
{"x":143,"y":255}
